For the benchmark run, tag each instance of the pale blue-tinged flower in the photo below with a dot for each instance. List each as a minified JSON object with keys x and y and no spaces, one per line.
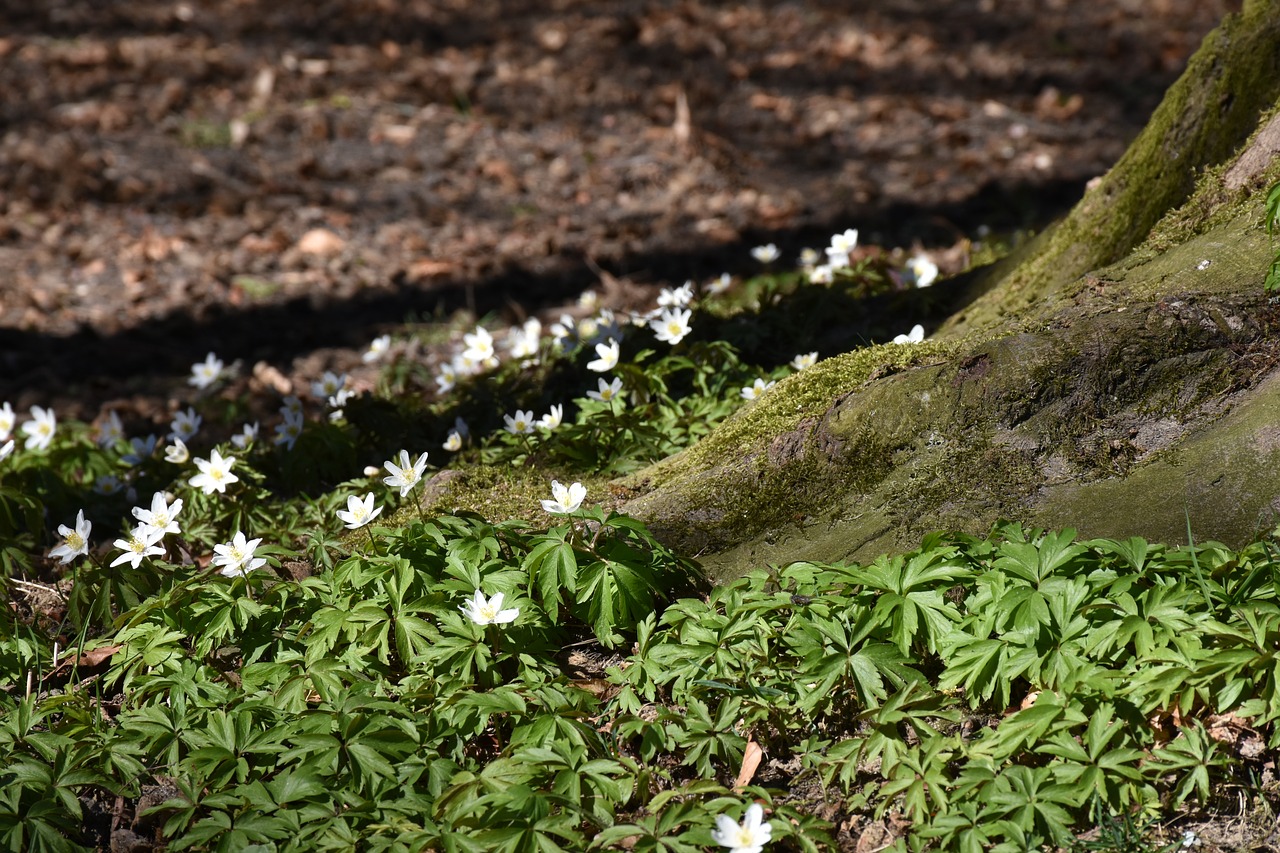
{"x":808,"y":359}
{"x":748,"y":837}
{"x":359,"y":511}
{"x":565,"y":332}
{"x":185,"y":424}
{"x":552,"y":419}
{"x":809,"y":258}
{"x":75,"y":540}
{"x":291,"y":405}
{"x":328,"y":385}
{"x":215,"y":473}
{"x":519,"y":423}
{"x":177,"y":452}
{"x":162,"y":518}
{"x":40,"y":429}
{"x":672,"y":326}
{"x":608,"y":357}
{"x":288,"y":430}
{"x":110,"y":430}
{"x":107,"y":484}
{"x":755,"y":389}
{"x":236,"y":557}
{"x":564,"y":499}
{"x":405,"y":475}
{"x":140,"y":545}
{"x":765,"y":254}
{"x":7,"y":420}
{"x":247,"y":435}
{"x":378,"y":348}
{"x":915,"y":336}
{"x":607,"y":390}
{"x":205,"y":373}
{"x":921,"y":271}
{"x":484,"y":611}
{"x":446,"y":378}
{"x":141,"y":449}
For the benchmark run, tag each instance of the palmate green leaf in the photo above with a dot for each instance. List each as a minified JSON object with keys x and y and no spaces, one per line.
{"x":1021,"y":730}
{"x":987,"y":668}
{"x":1030,"y":799}
{"x":1094,"y":766}
{"x":920,"y":778}
{"x":552,"y":565}
{"x":1193,"y":759}
{"x":1037,"y":561}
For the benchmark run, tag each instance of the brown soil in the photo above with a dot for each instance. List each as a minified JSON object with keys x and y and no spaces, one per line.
{"x":282,"y":182}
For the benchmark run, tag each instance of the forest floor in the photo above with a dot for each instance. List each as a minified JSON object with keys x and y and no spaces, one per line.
{"x":280,"y":183}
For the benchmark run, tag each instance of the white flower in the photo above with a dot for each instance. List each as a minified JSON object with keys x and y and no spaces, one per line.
{"x":822,"y":274}
{"x":378,"y":348}
{"x":107,"y":484}
{"x":328,"y":385}
{"x":205,"y":373}
{"x":454,"y":442}
{"x":140,"y":449}
{"x":809,"y":258}
{"x":565,"y":499}
{"x":162,"y":518}
{"x":604,"y":326}
{"x":75,"y":541}
{"x":405,"y":475}
{"x":1189,"y":840}
{"x":185,"y":424}
{"x":608,"y":359}
{"x":177,"y":452}
{"x":488,"y":612}
{"x":522,"y":341}
{"x":6,"y":421}
{"x":291,"y":405}
{"x":677,"y":298}
{"x":289,"y":429}
{"x":446,"y":379}
{"x":215,"y":474}
{"x":552,"y":419}
{"x":246,"y":435}
{"x":915,"y":336}
{"x":589,"y":300}
{"x":40,"y":428}
{"x":672,"y":326}
{"x":564,"y":332}
{"x":140,"y":545}
{"x":749,"y":837}
{"x":719,"y":285}
{"x":766,"y":254}
{"x":922,"y":271}
{"x":236,"y":557}
{"x":338,"y":400}
{"x":842,"y":245}
{"x":755,"y":389}
{"x":808,"y":359}
{"x":6,"y":449}
{"x":359,"y":512}
{"x":479,"y":345}
{"x":608,"y":390}
{"x":519,"y":423}
{"x":111,"y":430}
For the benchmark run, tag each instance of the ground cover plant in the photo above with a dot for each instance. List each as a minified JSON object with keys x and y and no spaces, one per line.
{"x":249,"y":637}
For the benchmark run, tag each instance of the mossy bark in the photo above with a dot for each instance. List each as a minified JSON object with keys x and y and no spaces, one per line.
{"x":1117,"y":379}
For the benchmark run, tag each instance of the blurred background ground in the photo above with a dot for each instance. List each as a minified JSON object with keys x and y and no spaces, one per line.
{"x":280,"y":182}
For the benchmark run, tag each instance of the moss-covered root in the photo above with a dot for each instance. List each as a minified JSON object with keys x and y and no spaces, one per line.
{"x":1204,"y":118}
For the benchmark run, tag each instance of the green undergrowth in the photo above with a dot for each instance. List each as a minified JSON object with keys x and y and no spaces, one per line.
{"x":1009,"y":692}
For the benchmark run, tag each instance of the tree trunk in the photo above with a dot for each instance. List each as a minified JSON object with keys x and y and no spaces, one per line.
{"x":1119,"y":376}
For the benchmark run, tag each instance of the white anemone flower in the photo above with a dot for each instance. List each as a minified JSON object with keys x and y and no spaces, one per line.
{"x":185,"y":424}
{"x":140,"y":449}
{"x":676,"y":297}
{"x":111,"y":430}
{"x":378,"y":348}
{"x":7,"y":421}
{"x":766,"y":254}
{"x":205,"y":373}
{"x":446,"y":378}
{"x":519,"y":423}
{"x":608,"y":357}
{"x":748,"y":837}
{"x":804,"y":360}
{"x":328,"y":385}
{"x":822,"y":274}
{"x":672,"y":326}
{"x":607,"y":390}
{"x":719,"y":285}
{"x":842,"y":245}
{"x":552,"y":419}
{"x":479,"y":345}
{"x":236,"y":557}
{"x":177,"y":452}
{"x":40,"y":429}
{"x":405,"y":475}
{"x":6,"y":449}
{"x":484,"y":611}
{"x":564,"y":499}
{"x":215,"y":473}
{"x":359,"y":511}
{"x":453,"y":443}
{"x":288,"y":430}
{"x":162,"y":518}
{"x":922,"y":271}
{"x":140,"y":545}
{"x":246,"y":436}
{"x":756,"y":389}
{"x":915,"y":336}
{"x":75,"y":540}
